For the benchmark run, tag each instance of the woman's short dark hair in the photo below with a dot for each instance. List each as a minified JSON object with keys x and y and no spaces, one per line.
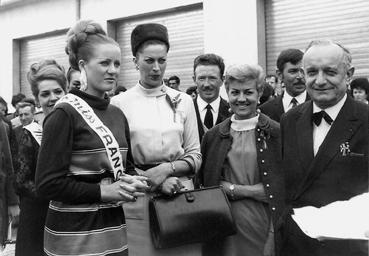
{"x":82,"y":38}
{"x":46,"y":70}
{"x":360,"y":83}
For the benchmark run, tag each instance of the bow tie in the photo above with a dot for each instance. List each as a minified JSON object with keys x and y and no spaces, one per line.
{"x":317,"y":118}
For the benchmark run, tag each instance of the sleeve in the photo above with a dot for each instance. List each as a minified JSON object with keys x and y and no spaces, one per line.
{"x":199,"y":177}
{"x":52,"y":181}
{"x":191,"y":142}
{"x":130,"y":165}
{"x":26,"y":162}
{"x":11,"y":197}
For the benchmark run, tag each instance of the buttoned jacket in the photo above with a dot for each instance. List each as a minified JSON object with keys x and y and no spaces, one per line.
{"x":338,"y":171}
{"x":216,"y":144}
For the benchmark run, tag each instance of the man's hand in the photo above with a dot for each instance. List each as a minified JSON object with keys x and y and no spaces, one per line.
{"x":13,"y":211}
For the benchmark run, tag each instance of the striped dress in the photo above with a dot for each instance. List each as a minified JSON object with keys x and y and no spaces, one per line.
{"x":72,"y":163}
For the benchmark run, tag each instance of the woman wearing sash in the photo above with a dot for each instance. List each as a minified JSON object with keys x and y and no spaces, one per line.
{"x":164,"y":135}
{"x":84,"y":151}
{"x":48,"y":84}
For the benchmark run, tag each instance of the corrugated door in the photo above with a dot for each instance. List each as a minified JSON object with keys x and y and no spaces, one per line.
{"x":294,"y":23}
{"x":36,"y":49}
{"x":185,"y":29}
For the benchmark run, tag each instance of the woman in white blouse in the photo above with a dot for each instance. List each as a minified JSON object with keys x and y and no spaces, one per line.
{"x":164,"y":136}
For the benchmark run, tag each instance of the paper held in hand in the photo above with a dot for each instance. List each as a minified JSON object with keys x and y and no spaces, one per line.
{"x":338,"y":220}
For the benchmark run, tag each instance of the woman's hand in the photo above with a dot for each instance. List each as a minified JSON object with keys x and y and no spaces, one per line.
{"x":257,"y":192}
{"x":127,"y":188}
{"x":158,"y":174}
{"x":171,"y":186}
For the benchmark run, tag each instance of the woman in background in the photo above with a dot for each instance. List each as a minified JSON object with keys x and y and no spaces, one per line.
{"x":242,"y":154}
{"x":360,"y":89}
{"x":77,"y":168}
{"x":164,"y":136}
{"x":48,"y":85}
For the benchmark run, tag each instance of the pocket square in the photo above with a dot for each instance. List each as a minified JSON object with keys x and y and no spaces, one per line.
{"x":355,"y":154}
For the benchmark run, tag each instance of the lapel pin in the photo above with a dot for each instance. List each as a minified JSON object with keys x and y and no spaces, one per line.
{"x":345,"y":148}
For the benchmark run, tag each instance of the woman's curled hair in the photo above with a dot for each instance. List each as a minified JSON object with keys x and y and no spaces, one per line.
{"x":46,"y":70}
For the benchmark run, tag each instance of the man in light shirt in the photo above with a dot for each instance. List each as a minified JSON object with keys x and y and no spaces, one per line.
{"x":210,"y":108}
{"x":324,"y":149}
{"x":289,"y":71}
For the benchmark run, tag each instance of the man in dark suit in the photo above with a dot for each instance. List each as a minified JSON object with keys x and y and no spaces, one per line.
{"x":324,"y":149}
{"x":290,"y":73}
{"x":211,"y":109}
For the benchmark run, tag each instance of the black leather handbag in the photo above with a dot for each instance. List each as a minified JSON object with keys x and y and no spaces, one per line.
{"x":192,"y":216}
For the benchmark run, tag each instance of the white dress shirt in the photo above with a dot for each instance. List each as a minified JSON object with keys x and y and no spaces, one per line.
{"x":321,"y":131}
{"x":214,"y":108}
{"x":286,"y":100}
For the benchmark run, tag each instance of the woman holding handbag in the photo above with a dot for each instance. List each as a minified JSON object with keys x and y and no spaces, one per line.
{"x":164,"y":135}
{"x":242,"y":155}
{"x":84,"y":154}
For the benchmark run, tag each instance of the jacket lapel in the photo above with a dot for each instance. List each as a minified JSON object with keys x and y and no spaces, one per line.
{"x":304,"y":131}
{"x":343,"y":128}
{"x":223,"y":111}
{"x":199,"y":122}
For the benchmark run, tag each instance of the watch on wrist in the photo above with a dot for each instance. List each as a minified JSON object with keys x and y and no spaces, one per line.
{"x":231,"y":189}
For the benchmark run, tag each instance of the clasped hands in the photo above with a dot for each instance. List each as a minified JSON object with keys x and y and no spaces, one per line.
{"x":160,"y":179}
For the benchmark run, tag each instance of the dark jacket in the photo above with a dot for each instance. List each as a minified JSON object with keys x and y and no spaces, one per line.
{"x":215,"y":146}
{"x":223,"y":113}
{"x":274,"y":108}
{"x":7,"y":193}
{"x":328,"y":177}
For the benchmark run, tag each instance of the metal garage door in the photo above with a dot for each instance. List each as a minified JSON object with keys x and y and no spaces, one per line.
{"x":35,"y":49}
{"x":294,"y":23}
{"x":185,"y":27}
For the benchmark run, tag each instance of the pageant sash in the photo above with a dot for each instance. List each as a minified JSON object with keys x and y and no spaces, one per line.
{"x":36,"y":130}
{"x":104,"y":133}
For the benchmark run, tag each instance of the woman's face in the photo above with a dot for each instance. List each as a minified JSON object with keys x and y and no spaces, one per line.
{"x":102,"y":69}
{"x":243,"y":98}
{"x":49,"y":93}
{"x":151,"y":61}
{"x":359,"y":94}
{"x":74,"y":80}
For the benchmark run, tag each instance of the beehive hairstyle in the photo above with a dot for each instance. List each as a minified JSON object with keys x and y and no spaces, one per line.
{"x":81,"y":39}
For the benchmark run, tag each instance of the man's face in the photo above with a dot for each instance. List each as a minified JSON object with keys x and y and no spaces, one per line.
{"x":25,"y":115}
{"x":173,"y":84}
{"x":293,"y":78}
{"x":326,"y":74}
{"x":271,"y":81}
{"x":208,"y":81}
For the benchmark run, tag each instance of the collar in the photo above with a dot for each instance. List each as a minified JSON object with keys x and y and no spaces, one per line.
{"x":244,"y":125}
{"x":202,"y":104}
{"x":152,"y":92}
{"x":331,"y":111}
{"x":93,"y":101}
{"x":300,"y":98}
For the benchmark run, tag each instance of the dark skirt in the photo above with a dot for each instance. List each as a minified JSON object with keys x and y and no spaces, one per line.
{"x":30,"y":235}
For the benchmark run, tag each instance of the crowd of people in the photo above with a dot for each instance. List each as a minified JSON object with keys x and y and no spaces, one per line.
{"x":81,"y":160}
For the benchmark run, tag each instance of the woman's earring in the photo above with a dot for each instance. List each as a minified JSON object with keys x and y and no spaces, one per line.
{"x":230,"y":111}
{"x":137,"y":68}
{"x":83,"y":80}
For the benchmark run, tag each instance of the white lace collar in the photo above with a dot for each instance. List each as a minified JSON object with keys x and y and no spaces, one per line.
{"x":244,"y":125}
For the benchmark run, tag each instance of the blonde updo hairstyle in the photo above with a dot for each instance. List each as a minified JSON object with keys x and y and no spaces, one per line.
{"x":245,"y":72}
{"x":81,"y":40}
{"x":46,"y":70}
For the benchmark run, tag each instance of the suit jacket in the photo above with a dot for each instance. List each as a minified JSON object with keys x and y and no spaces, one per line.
{"x":214,"y":148}
{"x":223,"y":114}
{"x":329,"y":176}
{"x":274,"y":108}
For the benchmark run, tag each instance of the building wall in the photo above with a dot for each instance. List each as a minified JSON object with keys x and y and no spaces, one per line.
{"x":29,"y":18}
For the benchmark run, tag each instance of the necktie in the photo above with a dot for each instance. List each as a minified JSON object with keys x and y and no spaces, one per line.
{"x":208,"y":121}
{"x":294,"y":102}
{"x":317,"y":118}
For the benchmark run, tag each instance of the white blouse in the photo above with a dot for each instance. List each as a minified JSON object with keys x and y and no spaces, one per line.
{"x":157,"y":134}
